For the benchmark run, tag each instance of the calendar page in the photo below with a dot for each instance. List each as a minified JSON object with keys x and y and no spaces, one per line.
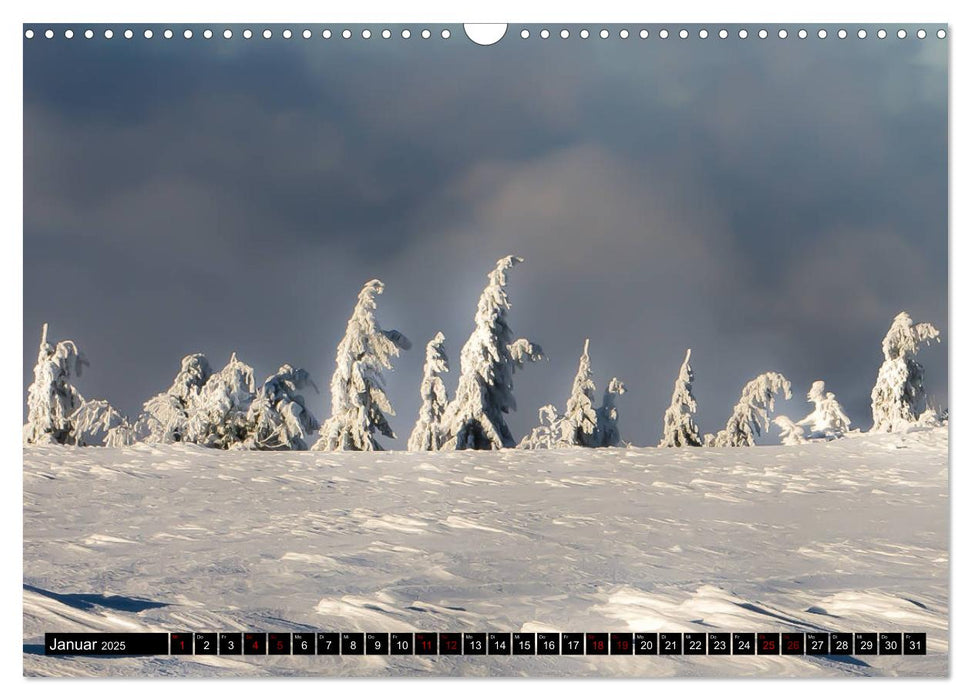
{"x":545,"y":350}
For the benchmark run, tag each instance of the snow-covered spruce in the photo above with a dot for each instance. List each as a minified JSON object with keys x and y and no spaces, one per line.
{"x":278,"y":418}
{"x":790,"y":433}
{"x":165,"y":416}
{"x":359,"y":404}
{"x":51,"y":398}
{"x":578,"y":426}
{"x":582,"y":425}
{"x":750,"y":417}
{"x":679,"y":423}
{"x":828,"y":420}
{"x":608,"y":417}
{"x":548,"y":434}
{"x":428,"y":433}
{"x":898,"y":398}
{"x":475,"y":418}
{"x":97,"y":423}
{"x":218,"y":412}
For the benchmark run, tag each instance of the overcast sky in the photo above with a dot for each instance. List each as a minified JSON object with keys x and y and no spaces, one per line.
{"x":770,"y":204}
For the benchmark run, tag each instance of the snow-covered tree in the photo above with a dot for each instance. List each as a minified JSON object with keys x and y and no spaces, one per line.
{"x":476,"y":417}
{"x":790,"y":433}
{"x":750,"y":416}
{"x":97,"y":423}
{"x":608,"y":428}
{"x":278,"y":418}
{"x":898,"y":397}
{"x":428,"y":433}
{"x":548,"y":434}
{"x":51,"y":398}
{"x":828,"y":420}
{"x":679,"y":423}
{"x":578,"y":426}
{"x":359,"y":404}
{"x":165,"y":416}
{"x":218,"y":411}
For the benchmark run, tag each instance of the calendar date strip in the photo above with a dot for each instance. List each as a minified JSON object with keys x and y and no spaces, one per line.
{"x":485,"y":643}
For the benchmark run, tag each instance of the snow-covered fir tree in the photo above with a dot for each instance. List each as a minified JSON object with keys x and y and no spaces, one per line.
{"x":750,"y":417}
{"x":428,"y":433}
{"x":218,"y":411}
{"x":679,"y":422}
{"x":898,"y":397}
{"x":165,"y":416}
{"x":476,"y":417}
{"x":548,"y":434}
{"x":608,"y":417}
{"x":278,"y":418}
{"x":51,"y":398}
{"x":578,"y":426}
{"x":828,"y":420}
{"x":790,"y":433}
{"x":97,"y":423}
{"x":359,"y":405}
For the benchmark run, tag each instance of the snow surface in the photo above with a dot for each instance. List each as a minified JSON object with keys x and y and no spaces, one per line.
{"x":849,"y":535}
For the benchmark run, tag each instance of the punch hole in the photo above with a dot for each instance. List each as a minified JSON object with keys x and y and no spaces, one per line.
{"x":489,"y":34}
{"x":29,"y":34}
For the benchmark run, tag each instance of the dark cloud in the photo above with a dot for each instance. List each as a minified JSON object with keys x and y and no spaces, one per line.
{"x":770,"y":204}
